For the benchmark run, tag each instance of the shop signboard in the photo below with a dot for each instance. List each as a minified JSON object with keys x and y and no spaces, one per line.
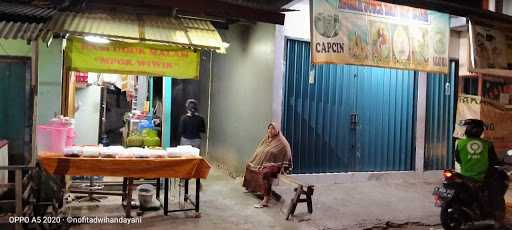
{"x":491,"y":49}
{"x":368,"y":32}
{"x":132,"y":58}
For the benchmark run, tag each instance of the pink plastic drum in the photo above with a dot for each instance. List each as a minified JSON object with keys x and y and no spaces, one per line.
{"x":51,"y":139}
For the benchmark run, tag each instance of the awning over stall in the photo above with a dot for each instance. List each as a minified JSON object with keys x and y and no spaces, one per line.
{"x":23,"y":22}
{"x":186,"y":32}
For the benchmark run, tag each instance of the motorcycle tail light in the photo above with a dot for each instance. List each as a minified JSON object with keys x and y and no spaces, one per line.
{"x":447,"y":174}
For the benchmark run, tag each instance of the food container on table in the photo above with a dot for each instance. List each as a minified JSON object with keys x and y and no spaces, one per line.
{"x":137,"y":152}
{"x":51,"y":139}
{"x":111,"y":151}
{"x":187,"y":150}
{"x":125,"y":154}
{"x":73,"y":151}
{"x":156,"y":153}
{"x":91,"y":151}
{"x":172,"y":152}
{"x":182,"y":151}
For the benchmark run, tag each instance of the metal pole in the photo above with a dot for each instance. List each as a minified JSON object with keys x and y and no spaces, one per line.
{"x":209,"y":106}
{"x":35,"y":82}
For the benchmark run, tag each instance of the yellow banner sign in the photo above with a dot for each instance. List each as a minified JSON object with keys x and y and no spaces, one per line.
{"x":132,"y":58}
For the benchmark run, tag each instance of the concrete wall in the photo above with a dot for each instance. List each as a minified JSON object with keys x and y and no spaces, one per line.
{"x":278,"y":82}
{"x":241,"y":93}
{"x":454,"y":46}
{"x":15,"y":48}
{"x":50,"y":81}
{"x":50,"y":73}
{"x":464,"y":57}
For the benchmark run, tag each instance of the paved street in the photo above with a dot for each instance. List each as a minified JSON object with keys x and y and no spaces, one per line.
{"x":381,"y":203}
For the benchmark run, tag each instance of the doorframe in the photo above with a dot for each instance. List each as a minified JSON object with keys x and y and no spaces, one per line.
{"x":15,"y":59}
{"x":283,"y":74}
{"x":30,"y":93}
{"x":456,"y":83}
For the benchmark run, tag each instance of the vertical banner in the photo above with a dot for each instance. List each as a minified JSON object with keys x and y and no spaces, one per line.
{"x":497,"y":121}
{"x":368,"y":32}
{"x":498,"y":126}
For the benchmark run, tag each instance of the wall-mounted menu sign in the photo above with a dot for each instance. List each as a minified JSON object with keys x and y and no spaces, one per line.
{"x":368,"y":32}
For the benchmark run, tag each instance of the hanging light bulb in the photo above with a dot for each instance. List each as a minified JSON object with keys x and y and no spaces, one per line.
{"x":96,"y":39}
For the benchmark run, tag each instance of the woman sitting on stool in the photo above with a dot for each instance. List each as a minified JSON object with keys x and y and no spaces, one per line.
{"x":272,"y":156}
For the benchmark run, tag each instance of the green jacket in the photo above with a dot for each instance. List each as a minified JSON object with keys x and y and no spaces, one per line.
{"x":475,"y":156}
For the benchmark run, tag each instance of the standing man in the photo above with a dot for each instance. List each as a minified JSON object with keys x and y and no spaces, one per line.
{"x":191,"y":125}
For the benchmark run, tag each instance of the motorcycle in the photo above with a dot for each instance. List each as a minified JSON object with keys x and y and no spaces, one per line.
{"x":463,"y":201}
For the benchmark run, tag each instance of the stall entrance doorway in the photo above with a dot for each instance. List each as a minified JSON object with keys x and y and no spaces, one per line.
{"x":16,"y":109}
{"x":341,"y":118}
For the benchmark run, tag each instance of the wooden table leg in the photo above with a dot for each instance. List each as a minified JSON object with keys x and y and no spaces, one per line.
{"x":128,"y":208}
{"x":125,"y":183}
{"x":166,"y":196}
{"x":185,"y":197}
{"x":158,"y":188}
{"x":198,"y":189}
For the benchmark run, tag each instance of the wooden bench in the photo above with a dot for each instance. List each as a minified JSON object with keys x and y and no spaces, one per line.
{"x":300,"y":189}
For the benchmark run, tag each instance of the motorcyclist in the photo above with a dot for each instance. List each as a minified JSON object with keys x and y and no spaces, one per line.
{"x":477,"y":159}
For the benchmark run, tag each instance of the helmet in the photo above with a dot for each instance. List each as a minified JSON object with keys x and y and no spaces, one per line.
{"x":474,"y":127}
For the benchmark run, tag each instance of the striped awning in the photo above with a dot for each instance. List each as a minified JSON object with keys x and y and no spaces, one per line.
{"x":21,"y":30}
{"x":18,"y":21}
{"x":192,"y":33}
{"x":28,"y":12}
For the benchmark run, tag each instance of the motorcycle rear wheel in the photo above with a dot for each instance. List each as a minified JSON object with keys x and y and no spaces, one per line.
{"x":451,"y":218}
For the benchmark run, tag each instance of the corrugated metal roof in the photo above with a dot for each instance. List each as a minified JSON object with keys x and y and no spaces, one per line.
{"x":25,"y":22}
{"x":185,"y":32}
{"x":166,"y":29}
{"x":25,"y":10}
{"x":20,"y":30}
{"x":202,"y":32}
